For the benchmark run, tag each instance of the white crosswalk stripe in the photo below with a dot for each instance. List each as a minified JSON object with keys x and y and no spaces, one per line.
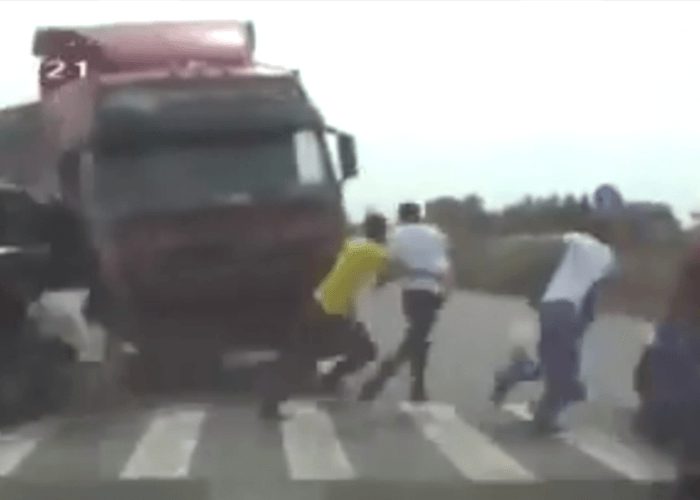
{"x":473,"y":453}
{"x":312,"y":448}
{"x":607,"y":450}
{"x":16,"y":446}
{"x":166,"y":448}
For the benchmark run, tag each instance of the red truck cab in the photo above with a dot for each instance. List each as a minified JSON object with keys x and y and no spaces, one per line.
{"x":206,"y":181}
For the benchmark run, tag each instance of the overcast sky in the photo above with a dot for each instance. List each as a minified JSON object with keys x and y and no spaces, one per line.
{"x":500,"y":98}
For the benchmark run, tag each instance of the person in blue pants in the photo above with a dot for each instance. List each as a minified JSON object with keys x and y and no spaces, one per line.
{"x":566,"y":310}
{"x":674,"y":375}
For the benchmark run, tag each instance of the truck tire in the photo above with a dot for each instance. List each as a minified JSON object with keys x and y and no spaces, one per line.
{"x":13,"y":396}
{"x":142,"y":375}
{"x":171,"y":366}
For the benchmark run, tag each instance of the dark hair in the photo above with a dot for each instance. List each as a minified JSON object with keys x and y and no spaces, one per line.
{"x":409,"y":211}
{"x":375,"y":227}
{"x":601,"y":228}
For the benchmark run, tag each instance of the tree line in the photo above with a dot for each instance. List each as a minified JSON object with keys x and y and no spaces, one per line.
{"x":537,"y":215}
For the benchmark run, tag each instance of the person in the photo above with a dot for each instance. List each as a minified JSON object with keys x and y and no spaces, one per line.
{"x":674,"y":372}
{"x":566,"y":310}
{"x":421,"y":250}
{"x":328,"y":327}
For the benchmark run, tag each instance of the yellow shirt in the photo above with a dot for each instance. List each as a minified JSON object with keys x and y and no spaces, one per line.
{"x":357,"y":264}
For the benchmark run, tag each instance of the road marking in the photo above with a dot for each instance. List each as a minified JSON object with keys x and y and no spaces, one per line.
{"x":17,"y":446}
{"x":311,"y":447}
{"x":165,"y":450}
{"x":473,"y":453}
{"x":605,"y":449}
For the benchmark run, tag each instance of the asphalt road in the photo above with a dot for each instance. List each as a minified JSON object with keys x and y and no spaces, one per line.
{"x":213,"y":447}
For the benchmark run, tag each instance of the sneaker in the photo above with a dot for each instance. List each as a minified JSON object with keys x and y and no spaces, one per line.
{"x":546,"y":427}
{"x":501,"y":387}
{"x":331,"y":386}
{"x":544,"y":422}
{"x":271,"y":412}
{"x":370,"y":390}
{"x":419,"y":395}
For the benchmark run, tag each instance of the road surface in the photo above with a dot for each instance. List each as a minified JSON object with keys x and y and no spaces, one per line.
{"x":457,"y":446}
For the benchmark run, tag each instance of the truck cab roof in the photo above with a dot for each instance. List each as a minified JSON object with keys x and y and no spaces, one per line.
{"x":121,"y":47}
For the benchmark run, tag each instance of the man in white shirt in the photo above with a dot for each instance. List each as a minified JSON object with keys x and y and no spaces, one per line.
{"x":421,"y":250}
{"x":566,"y":309}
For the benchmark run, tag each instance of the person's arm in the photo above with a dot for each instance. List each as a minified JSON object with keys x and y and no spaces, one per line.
{"x":392,"y":267}
{"x":449,"y":281}
{"x":391,"y":270}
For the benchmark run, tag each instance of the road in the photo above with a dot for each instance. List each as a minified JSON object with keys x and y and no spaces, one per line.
{"x":457,"y":446}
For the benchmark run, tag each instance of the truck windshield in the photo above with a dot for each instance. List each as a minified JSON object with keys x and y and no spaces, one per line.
{"x":199,"y":174}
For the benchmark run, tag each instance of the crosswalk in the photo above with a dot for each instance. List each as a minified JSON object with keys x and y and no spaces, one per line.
{"x":634,"y":464}
{"x":314,"y":443}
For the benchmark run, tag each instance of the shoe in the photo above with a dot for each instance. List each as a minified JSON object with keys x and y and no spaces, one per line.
{"x":331,"y":386}
{"x":271,"y":412}
{"x":546,"y":427}
{"x":581,"y":393}
{"x":501,"y":387}
{"x":370,"y":390}
{"x":544,"y":422}
{"x":419,"y":395}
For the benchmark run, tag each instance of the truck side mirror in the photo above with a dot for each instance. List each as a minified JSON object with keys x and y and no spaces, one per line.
{"x":348,"y":155}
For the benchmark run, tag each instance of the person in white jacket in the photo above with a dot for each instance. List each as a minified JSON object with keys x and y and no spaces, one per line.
{"x":566,"y":310}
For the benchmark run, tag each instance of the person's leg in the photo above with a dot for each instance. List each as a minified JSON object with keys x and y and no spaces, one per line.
{"x":288,"y":369}
{"x":422,"y":310}
{"x":559,"y":351}
{"x":688,"y":476}
{"x":351,"y":339}
{"x":390,"y":364}
{"x":280,"y":380}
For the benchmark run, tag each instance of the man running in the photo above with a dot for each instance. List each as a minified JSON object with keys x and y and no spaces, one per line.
{"x":328,"y":327}
{"x":566,"y":310}
{"x":421,"y":249}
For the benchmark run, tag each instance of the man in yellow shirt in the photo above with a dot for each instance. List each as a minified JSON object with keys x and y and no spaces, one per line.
{"x":329,"y":327}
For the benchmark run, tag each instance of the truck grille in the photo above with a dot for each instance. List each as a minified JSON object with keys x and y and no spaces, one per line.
{"x":207,"y":264}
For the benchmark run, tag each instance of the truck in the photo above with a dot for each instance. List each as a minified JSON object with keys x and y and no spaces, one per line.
{"x":209,"y":185}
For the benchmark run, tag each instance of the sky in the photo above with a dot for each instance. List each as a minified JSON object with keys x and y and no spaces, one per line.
{"x":448,"y":98}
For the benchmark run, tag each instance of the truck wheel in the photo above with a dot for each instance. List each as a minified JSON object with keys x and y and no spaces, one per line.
{"x":13,"y":394}
{"x":60,"y":388}
{"x":142,"y":373}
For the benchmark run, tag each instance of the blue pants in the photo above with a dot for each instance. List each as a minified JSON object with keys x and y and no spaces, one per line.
{"x":559,"y":351}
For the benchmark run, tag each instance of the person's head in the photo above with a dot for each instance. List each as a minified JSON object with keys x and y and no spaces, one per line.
{"x":409,"y":212}
{"x":375,"y":227}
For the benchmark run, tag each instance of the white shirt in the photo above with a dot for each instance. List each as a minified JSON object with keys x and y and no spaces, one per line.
{"x":586,"y":261}
{"x":422,"y":247}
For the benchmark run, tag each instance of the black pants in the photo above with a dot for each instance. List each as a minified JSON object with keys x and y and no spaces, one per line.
{"x":318,"y":336}
{"x":420,"y":307}
{"x":688,"y":480}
